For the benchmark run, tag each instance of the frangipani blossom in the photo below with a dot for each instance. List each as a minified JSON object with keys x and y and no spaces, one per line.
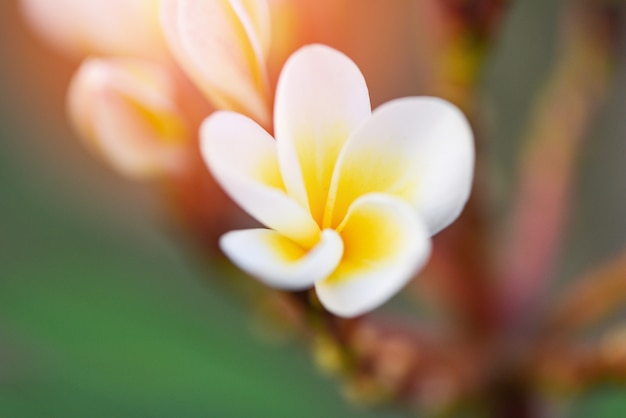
{"x":222,"y":45}
{"x":350,"y":197}
{"x":126,"y":110}
{"x":100,"y":27}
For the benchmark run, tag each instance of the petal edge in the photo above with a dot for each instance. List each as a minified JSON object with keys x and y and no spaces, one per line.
{"x":242,"y":158}
{"x":417,"y":148}
{"x":278,"y":261}
{"x":385,"y":243}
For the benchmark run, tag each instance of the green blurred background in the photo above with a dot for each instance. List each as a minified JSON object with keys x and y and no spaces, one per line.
{"x":103,"y":311}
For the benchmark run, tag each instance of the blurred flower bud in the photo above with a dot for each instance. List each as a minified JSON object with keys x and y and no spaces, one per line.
{"x":222,"y":45}
{"x":328,"y":355}
{"x":111,"y":27}
{"x":126,"y":110}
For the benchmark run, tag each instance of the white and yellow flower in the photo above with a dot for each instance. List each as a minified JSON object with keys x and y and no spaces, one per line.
{"x":350,"y":197}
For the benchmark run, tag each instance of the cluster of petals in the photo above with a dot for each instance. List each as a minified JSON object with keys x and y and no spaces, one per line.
{"x":349,"y":197}
{"x":126,"y":99}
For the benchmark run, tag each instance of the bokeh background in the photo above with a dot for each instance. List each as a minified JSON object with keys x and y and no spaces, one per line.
{"x":105,"y":311}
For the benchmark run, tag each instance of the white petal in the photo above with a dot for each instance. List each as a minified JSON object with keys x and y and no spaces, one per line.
{"x":320,"y":99}
{"x":280,"y":262}
{"x":417,"y":148}
{"x":385,"y":243}
{"x":258,"y":12}
{"x":220,"y":44}
{"x":242,"y":157}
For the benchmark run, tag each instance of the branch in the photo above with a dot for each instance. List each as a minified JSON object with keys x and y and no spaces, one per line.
{"x":557,"y":131}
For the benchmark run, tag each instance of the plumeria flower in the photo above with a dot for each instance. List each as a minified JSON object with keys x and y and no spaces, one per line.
{"x":127,"y":111}
{"x":350,"y":197}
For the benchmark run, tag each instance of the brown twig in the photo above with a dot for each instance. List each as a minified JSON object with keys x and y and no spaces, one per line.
{"x":591,"y":299}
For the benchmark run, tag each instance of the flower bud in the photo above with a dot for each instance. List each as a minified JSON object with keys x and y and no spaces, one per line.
{"x":222,"y":45}
{"x":126,"y":111}
{"x":111,"y":27}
